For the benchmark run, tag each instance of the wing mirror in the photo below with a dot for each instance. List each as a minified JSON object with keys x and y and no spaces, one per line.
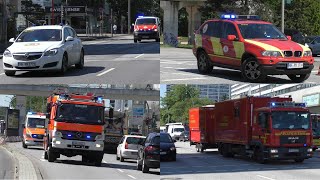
{"x":232,"y":38}
{"x":11,"y":40}
{"x":289,"y":38}
{"x":69,"y":38}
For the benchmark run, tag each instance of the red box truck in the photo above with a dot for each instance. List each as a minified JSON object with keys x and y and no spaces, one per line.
{"x":201,"y":123}
{"x":263,"y":128}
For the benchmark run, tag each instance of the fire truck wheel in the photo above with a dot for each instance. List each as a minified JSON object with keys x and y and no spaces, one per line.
{"x":299,"y":78}
{"x":145,"y":168}
{"x":98,"y":162}
{"x":204,"y":66}
{"x":299,"y":160}
{"x":85,"y":158}
{"x":24,"y":145}
{"x":51,"y":155}
{"x":251,"y":70}
{"x":45,"y":155}
{"x":259,"y":156}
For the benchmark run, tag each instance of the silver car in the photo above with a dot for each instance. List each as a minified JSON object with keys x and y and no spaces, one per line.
{"x":128,"y":147}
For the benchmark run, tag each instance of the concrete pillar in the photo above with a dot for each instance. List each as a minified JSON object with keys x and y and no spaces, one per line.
{"x":170,"y":18}
{"x":21,"y":105}
{"x":194,"y":20}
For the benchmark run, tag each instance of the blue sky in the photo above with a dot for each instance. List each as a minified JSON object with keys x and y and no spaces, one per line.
{"x":4,"y":100}
{"x":163,"y":89}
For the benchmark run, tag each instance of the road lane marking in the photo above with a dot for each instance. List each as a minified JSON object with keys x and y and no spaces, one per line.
{"x":265,"y":177}
{"x":105,"y":72}
{"x":138,"y":56}
{"x":120,"y":170}
{"x":131,"y":176}
{"x":168,"y":67}
{"x":182,"y":79}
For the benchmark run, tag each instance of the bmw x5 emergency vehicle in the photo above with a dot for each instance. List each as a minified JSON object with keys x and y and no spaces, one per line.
{"x":75,"y":127}
{"x":255,"y":47}
{"x":34,"y":129}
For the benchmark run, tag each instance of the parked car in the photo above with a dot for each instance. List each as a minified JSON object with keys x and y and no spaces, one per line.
{"x":128,"y":147}
{"x":167,"y":147}
{"x":184,"y":136}
{"x":296,"y":35}
{"x":149,"y":153}
{"x":49,"y":48}
{"x":313,"y":42}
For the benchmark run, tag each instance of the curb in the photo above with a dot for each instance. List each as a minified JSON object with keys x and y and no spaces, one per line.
{"x":24,"y":166}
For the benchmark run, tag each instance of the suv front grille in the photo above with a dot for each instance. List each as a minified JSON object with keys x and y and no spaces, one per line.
{"x":290,"y":53}
{"x":27,"y":56}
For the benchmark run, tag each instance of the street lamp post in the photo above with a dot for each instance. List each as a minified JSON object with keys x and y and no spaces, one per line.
{"x":129,"y":16}
{"x":52,"y":12}
{"x":282,"y":16}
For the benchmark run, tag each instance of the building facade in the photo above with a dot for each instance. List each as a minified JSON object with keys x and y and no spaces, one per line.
{"x":308,"y":93}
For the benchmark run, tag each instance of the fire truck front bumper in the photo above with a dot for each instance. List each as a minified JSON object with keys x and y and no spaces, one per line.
{"x":60,"y":143}
{"x":286,"y":153}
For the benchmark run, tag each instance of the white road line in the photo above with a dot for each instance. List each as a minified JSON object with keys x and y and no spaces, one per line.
{"x":168,"y":67}
{"x":105,"y":72}
{"x":138,"y":56}
{"x":131,"y":176}
{"x":265,"y":177}
{"x":120,"y":170}
{"x":315,"y":71}
{"x":182,"y":79}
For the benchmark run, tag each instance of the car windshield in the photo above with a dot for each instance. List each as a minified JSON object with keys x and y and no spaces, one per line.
{"x":316,"y":125}
{"x":80,"y":113}
{"x":260,"y":31}
{"x":156,"y":140}
{"x":134,"y":140}
{"x":36,"y":123}
{"x":178,"y":129}
{"x":165,"y":138}
{"x":290,"y":120}
{"x":146,"y":21}
{"x":309,"y":39}
{"x":40,"y":35}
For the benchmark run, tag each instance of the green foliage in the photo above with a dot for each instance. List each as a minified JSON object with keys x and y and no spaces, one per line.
{"x":34,"y":103}
{"x":177,"y":102}
{"x":33,"y":12}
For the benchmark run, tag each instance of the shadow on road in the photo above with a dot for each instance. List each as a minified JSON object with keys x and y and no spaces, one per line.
{"x":71,"y":72}
{"x":235,"y":75}
{"x":125,"y":48}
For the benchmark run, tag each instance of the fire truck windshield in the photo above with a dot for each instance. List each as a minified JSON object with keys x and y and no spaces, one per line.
{"x":36,"y":123}
{"x":146,"y":21}
{"x":80,"y":113}
{"x":260,"y":31}
{"x":316,"y":125}
{"x":290,"y":120}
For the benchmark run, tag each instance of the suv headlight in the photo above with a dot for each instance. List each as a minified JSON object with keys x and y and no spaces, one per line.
{"x":155,"y":29}
{"x":172,"y":148}
{"x":273,"y":150}
{"x":57,"y":134}
{"x":271,"y":53}
{"x":51,"y":52}
{"x":309,"y":150}
{"x":307,"y":53}
{"x":7,"y":53}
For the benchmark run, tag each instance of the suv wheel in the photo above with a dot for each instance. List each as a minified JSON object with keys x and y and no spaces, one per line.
{"x":251,"y":70}
{"x":299,"y":77}
{"x":139,"y":166}
{"x":204,"y":66}
{"x":145,"y":168}
{"x":80,"y":65}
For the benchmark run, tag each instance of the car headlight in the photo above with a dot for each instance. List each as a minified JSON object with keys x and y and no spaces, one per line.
{"x":155,"y":29}
{"x":57,"y":134}
{"x":51,"y":52}
{"x":273,"y":150}
{"x":271,"y":53}
{"x":307,"y":53}
{"x":7,"y":53}
{"x":309,"y":150}
{"x":99,"y":137}
{"x":172,"y":148}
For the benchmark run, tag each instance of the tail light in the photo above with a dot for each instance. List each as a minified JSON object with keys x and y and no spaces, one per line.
{"x":126,"y":146}
{"x":150,"y":148}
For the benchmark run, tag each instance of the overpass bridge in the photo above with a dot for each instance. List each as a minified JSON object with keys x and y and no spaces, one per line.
{"x":170,"y":16}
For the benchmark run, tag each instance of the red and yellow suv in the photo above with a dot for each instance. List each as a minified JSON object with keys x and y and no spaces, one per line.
{"x":256,"y":48}
{"x":34,"y":129}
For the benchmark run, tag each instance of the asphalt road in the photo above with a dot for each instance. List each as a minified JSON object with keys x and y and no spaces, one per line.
{"x":179,"y":66}
{"x":114,"y":60}
{"x":6,"y":164}
{"x":73,"y":168}
{"x":211,"y":165}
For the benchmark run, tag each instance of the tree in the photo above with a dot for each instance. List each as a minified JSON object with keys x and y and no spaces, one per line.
{"x":176,"y":104}
{"x":32,"y":12}
{"x":33,"y":103}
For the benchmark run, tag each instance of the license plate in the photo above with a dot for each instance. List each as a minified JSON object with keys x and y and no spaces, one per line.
{"x":78,"y":143}
{"x":163,"y":153}
{"x":293,"y":150}
{"x":145,"y":36}
{"x":294,"y":65}
{"x":26,"y":64}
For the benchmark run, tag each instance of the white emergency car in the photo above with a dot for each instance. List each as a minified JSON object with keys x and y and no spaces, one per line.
{"x":50,"y":47}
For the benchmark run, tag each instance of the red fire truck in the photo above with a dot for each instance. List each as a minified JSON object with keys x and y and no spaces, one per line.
{"x":315,"y":118}
{"x":263,"y":128}
{"x":201,"y":123}
{"x":75,"y":127}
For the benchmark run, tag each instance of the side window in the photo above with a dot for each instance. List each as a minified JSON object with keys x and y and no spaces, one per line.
{"x":317,"y":41}
{"x":263,"y":120}
{"x":216,"y":29}
{"x":229,"y":29}
{"x":66,"y":33}
{"x":71,"y":32}
{"x":121,"y":141}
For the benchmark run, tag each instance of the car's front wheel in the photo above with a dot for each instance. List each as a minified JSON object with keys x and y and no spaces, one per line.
{"x":252,"y":71}
{"x":64,"y":65}
{"x":204,"y":66}
{"x":80,"y":65}
{"x":299,"y":77}
{"x":9,"y":73}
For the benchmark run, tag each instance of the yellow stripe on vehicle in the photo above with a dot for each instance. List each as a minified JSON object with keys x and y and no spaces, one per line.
{"x":216,"y":45}
{"x":222,"y":56}
{"x":265,"y":46}
{"x":304,"y":48}
{"x":238,"y":48}
{"x":198,"y":40}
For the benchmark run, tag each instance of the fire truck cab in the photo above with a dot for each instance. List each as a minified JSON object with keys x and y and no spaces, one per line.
{"x":34,"y":129}
{"x":315,"y":118}
{"x":75,"y":127}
